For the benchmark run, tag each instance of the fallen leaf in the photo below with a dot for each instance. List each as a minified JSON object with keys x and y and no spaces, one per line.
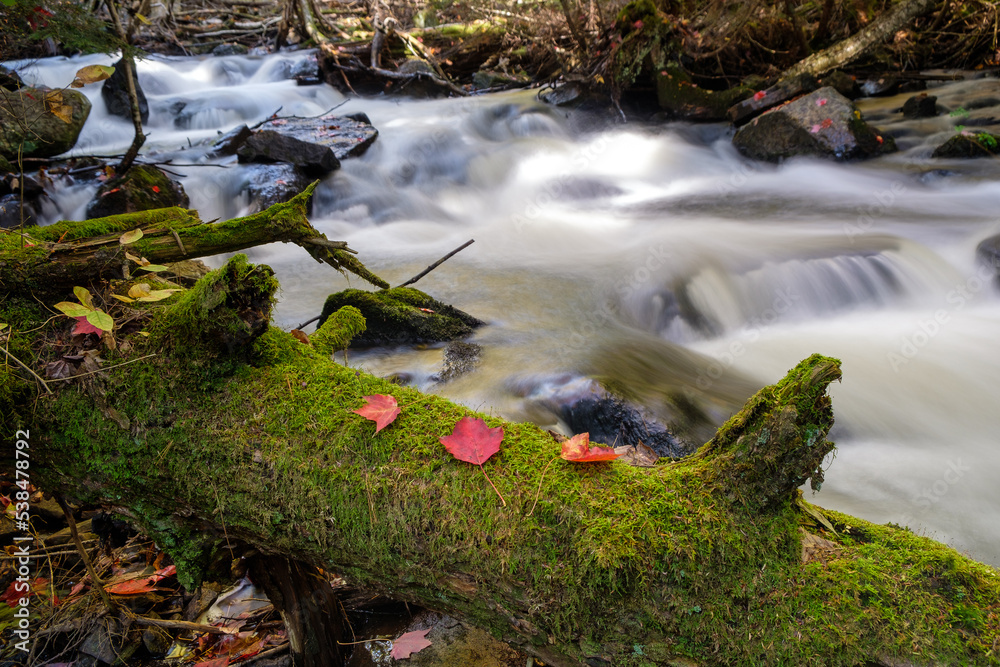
{"x":380,"y":409}
{"x":55,"y":106}
{"x":58,"y":369}
{"x":409,"y":643}
{"x":130,"y":237}
{"x":159,"y":294}
{"x":578,"y":450}
{"x":821,"y":102}
{"x":91,"y":74}
{"x":759,"y":95}
{"x":72,"y":309}
{"x":216,"y":662}
{"x":123,"y":299}
{"x":156,"y":188}
{"x":83,"y":295}
{"x":473,"y":441}
{"x":301,"y":336}
{"x":155,"y":268}
{"x":814,"y":129}
{"x":142,"y":584}
{"x":84,"y":327}
{"x":101,"y":320}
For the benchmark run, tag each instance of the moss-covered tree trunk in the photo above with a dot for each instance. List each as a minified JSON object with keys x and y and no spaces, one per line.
{"x":698,"y":561}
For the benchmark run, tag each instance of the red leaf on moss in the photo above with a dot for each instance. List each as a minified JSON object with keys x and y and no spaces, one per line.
{"x":85,"y":327}
{"x":578,"y":450}
{"x":381,"y":409}
{"x":156,"y":188}
{"x":473,"y":441}
{"x":409,"y":643}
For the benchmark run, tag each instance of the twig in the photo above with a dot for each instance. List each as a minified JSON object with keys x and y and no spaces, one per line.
{"x":83,"y":554}
{"x":181,"y":625}
{"x":493,"y":485}
{"x":25,"y":367}
{"x":437,"y":263}
{"x":100,"y":370}
{"x":273,"y":117}
{"x":539,"y":492}
{"x":308,"y":322}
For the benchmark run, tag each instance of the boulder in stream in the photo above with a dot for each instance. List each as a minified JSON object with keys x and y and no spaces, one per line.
{"x":315,"y":144}
{"x":823,"y":123}
{"x":920,"y":106}
{"x":969,"y":145}
{"x":401,"y":316}
{"x":114,"y":91}
{"x":142,"y":188}
{"x":44,"y":122}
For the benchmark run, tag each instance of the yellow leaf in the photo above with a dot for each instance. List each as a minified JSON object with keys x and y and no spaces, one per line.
{"x":123,"y":298}
{"x":72,"y":309}
{"x":143,"y":333}
{"x":101,"y":320}
{"x":153,"y":267}
{"x":139,"y":290}
{"x":84,"y":296}
{"x":159,"y":294}
{"x":91,"y":74}
{"x":135,"y":259}
{"x":55,"y":106}
{"x":130,"y":237}
{"x":143,"y":19}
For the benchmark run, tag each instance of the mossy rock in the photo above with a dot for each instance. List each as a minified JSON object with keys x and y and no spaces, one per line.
{"x":40,"y":123}
{"x":968,"y":145}
{"x":682,"y":98}
{"x":401,"y":316}
{"x":142,"y":188}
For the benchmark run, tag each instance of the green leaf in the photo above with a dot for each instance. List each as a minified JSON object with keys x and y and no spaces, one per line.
{"x":2,"y":326}
{"x":101,"y":320}
{"x":84,"y":296}
{"x":91,"y":74}
{"x":9,"y":3}
{"x":73,"y":309}
{"x":155,"y":268}
{"x":158,"y":294}
{"x":130,"y":237}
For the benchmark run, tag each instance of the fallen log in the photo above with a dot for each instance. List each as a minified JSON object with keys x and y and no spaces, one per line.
{"x":76,"y":253}
{"x":701,"y":561}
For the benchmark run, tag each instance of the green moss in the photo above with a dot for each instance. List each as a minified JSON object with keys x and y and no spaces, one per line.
{"x":338,"y":330}
{"x":401,"y":315}
{"x":141,"y":188}
{"x":635,"y":566}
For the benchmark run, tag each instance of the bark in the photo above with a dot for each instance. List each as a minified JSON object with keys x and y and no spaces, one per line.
{"x":73,"y":253}
{"x":847,"y":51}
{"x":237,"y":430}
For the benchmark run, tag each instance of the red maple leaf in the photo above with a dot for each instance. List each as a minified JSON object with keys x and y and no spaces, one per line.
{"x":409,"y":643}
{"x":85,"y":327}
{"x":156,"y":188}
{"x":759,"y":95}
{"x":143,"y":584}
{"x":381,"y":409}
{"x":215,"y":662}
{"x":473,"y":441}
{"x":578,"y":450}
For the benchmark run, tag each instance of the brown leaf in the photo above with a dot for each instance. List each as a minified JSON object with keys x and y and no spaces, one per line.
{"x":301,"y":336}
{"x":578,"y":450}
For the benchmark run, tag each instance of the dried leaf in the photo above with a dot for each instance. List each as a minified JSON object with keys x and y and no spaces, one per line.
{"x":138,"y":290}
{"x":473,"y":441}
{"x":410,"y":643}
{"x":301,"y":336}
{"x":153,"y":267}
{"x":91,"y":74}
{"x":578,"y":450}
{"x":381,"y":409}
{"x":58,"y":369}
{"x":55,"y":106}
{"x":72,"y":309}
{"x":91,"y":362}
{"x":137,"y":260}
{"x":130,"y":237}
{"x":123,"y":298}
{"x":143,"y":584}
{"x":159,"y":294}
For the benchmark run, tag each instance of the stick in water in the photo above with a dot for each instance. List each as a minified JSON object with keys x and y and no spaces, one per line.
{"x":437,"y":263}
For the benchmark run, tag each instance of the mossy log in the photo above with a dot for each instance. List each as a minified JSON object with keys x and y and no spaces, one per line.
{"x":700,"y":561}
{"x":77,"y":253}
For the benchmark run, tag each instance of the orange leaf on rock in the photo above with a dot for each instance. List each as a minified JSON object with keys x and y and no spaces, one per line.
{"x":381,"y":409}
{"x":409,"y":643}
{"x":473,"y":441}
{"x":578,"y":450}
{"x":143,"y":584}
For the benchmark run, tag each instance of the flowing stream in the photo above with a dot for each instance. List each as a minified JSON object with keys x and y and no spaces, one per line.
{"x":652,"y":256}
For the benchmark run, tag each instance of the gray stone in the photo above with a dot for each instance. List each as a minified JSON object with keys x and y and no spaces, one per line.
{"x":271,"y":146}
{"x":114,"y":92}
{"x":45,"y":122}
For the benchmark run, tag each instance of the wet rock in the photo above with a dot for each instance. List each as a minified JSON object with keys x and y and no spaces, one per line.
{"x":681,"y":98}
{"x":988,"y":252}
{"x":270,"y":184}
{"x":459,"y":359}
{"x":920,"y":106}
{"x":44,"y":122}
{"x":114,"y":92}
{"x":823,"y":123}
{"x":880,"y":87}
{"x":230,"y":49}
{"x":969,"y":145}
{"x":270,"y":146}
{"x":315,"y":144}
{"x":488,"y":79}
{"x":584,"y":406}
{"x":982,"y":103}
{"x":843,"y":83}
{"x":10,"y":212}
{"x":402,"y":316}
{"x":142,"y":188}
{"x":763,"y":100}
{"x":230,"y":142}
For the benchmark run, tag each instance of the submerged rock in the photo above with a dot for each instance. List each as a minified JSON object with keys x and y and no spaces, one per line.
{"x":823,"y":123}
{"x":401,"y":316}
{"x":142,"y":188}
{"x":42,"y":122}
{"x":920,"y":106}
{"x":114,"y":91}
{"x":988,"y":252}
{"x":460,"y":358}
